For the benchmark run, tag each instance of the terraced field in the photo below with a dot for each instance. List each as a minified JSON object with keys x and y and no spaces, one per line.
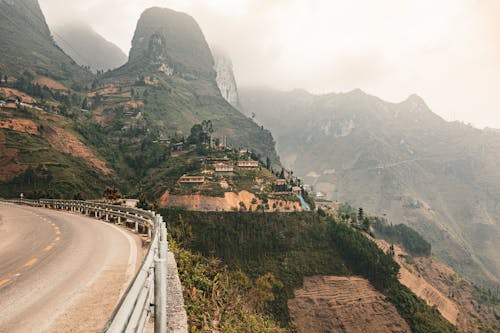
{"x":343,"y":304}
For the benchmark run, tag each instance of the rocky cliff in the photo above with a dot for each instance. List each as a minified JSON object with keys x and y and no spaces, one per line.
{"x":76,"y":132}
{"x":172,"y":40}
{"x":172,"y":68}
{"x":225,"y":78}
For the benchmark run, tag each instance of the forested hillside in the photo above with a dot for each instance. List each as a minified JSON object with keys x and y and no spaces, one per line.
{"x":292,"y":246}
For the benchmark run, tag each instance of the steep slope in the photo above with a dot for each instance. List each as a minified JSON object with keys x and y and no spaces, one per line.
{"x":104,"y":129}
{"x":170,"y":38}
{"x":462,"y":303}
{"x":88,"y":48}
{"x":343,"y":304}
{"x":27,"y":45}
{"x":289,"y":248}
{"x":396,"y":159}
{"x":225,"y":77}
{"x":170,"y":82}
{"x":41,"y":154}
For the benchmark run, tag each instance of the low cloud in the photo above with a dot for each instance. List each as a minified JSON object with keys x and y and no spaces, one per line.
{"x":446,"y":51}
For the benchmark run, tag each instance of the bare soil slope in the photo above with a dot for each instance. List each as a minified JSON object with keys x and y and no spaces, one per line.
{"x":343,"y":304}
{"x":411,"y":278}
{"x":230,"y":202}
{"x":440,"y":286}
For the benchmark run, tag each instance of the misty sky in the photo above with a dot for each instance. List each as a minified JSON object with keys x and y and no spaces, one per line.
{"x":447,"y":51}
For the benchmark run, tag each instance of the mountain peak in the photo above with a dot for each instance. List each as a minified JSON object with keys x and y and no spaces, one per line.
{"x":415,"y":103}
{"x":165,"y":38}
{"x":356,"y":91}
{"x":414,"y":98}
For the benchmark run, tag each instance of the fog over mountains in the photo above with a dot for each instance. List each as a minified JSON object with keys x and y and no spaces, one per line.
{"x":395,"y":159}
{"x":87,"y":47}
{"x":339,"y":45}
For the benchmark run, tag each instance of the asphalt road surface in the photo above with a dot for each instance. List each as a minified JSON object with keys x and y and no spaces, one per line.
{"x":60,"y":271}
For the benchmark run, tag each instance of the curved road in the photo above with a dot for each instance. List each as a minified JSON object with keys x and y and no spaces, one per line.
{"x":61,"y":272}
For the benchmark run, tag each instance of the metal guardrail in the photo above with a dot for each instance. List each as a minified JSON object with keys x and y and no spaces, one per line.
{"x":147,"y":293}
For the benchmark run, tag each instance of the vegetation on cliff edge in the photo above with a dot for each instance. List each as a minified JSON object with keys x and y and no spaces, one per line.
{"x":292,"y":246}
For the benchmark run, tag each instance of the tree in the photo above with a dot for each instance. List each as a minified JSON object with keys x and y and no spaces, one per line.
{"x":361,"y":214}
{"x":268,"y":163}
{"x":143,"y":203}
{"x":112,"y":193}
{"x":85,"y":104}
{"x":207,"y":126}
{"x":78,"y":196}
{"x":262,"y":292}
{"x":97,"y":99}
{"x":366,"y":224}
{"x":182,"y":232}
{"x":196,"y":134}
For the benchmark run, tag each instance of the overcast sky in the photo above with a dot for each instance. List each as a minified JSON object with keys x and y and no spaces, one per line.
{"x":447,"y":51}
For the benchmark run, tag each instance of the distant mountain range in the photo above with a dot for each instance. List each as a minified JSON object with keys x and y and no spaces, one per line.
{"x":88,"y":48}
{"x":68,"y":132}
{"x":396,"y":159}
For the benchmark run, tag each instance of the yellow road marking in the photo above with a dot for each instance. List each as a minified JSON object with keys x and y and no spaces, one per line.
{"x":31,"y":262}
{"x":58,"y":238}
{"x":58,"y":232}
{"x":48,"y":248}
{"x":4,"y":281}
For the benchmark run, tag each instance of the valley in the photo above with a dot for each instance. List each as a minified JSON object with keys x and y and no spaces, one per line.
{"x":286,"y":211}
{"x":398,"y":160}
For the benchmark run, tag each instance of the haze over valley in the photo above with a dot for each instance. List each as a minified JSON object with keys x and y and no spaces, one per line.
{"x":249,"y":166}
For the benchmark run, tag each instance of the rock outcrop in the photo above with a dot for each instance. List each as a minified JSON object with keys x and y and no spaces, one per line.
{"x":225,"y":78}
{"x":165,"y":38}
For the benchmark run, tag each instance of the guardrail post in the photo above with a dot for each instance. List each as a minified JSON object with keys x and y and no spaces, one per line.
{"x":161,"y":284}
{"x":160,"y":296}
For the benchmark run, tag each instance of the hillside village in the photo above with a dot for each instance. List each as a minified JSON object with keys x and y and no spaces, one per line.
{"x":215,"y":169}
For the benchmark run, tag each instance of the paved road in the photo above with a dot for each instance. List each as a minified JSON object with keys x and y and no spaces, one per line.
{"x":61,"y":272}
